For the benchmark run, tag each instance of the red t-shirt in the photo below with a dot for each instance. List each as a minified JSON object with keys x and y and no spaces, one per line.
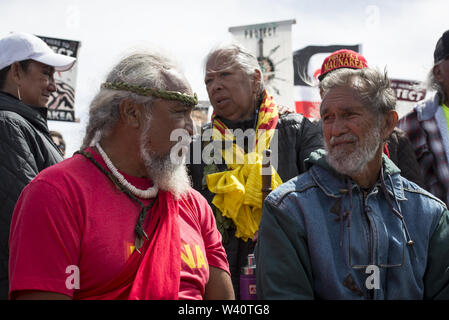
{"x":71,"y":218}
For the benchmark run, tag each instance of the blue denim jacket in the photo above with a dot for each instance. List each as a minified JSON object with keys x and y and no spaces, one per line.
{"x":320,"y":231}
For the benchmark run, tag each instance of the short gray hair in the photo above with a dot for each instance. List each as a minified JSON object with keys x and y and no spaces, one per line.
{"x":145,"y":69}
{"x":239,"y":56}
{"x":372,"y":86}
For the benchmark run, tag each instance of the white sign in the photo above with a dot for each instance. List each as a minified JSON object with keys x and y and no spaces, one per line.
{"x":271,"y":43}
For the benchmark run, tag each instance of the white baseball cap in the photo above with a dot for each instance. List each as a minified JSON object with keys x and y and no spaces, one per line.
{"x":20,"y":46}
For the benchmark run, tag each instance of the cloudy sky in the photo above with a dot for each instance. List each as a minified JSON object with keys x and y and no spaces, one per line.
{"x":399,"y":35}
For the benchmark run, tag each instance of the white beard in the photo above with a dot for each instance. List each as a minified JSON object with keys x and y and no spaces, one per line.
{"x":352,"y":163}
{"x":164,"y":173}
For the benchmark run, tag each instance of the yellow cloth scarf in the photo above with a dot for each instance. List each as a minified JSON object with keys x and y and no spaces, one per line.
{"x":238,"y":191}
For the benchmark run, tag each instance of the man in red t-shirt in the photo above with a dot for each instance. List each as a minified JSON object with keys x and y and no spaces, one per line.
{"x":119,"y":219}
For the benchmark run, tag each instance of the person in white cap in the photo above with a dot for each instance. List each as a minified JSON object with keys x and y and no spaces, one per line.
{"x":27,"y":65}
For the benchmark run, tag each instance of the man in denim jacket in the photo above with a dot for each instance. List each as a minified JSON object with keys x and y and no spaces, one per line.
{"x":352,"y":227}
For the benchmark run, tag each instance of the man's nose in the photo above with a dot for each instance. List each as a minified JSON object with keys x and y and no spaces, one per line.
{"x":189,"y":125}
{"x":339,"y":127}
{"x":52,"y":84}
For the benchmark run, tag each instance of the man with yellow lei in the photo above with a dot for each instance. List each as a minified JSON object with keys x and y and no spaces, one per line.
{"x":226,"y":156}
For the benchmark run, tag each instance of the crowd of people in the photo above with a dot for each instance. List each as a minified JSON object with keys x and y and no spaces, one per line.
{"x":358,"y":201}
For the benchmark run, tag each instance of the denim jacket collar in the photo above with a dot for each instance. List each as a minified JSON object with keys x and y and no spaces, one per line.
{"x":335,"y":185}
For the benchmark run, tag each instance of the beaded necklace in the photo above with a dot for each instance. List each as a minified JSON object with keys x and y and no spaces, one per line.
{"x":141,"y":235}
{"x":144,"y":194}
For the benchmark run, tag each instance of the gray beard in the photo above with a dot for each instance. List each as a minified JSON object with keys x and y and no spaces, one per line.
{"x":356,"y":161}
{"x":164,"y":173}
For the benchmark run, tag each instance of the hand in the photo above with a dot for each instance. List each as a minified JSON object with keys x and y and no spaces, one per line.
{"x":256,"y":235}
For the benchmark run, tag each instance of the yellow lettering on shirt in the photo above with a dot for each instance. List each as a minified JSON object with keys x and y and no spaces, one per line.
{"x":189,"y":258}
{"x":200,"y":261}
{"x":128,"y":249}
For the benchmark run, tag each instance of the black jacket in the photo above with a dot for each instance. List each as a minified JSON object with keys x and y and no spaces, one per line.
{"x":401,"y":152}
{"x":26,"y":148}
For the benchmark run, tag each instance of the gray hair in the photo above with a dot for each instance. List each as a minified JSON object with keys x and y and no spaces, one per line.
{"x":237,"y":55}
{"x":433,"y":84}
{"x":145,"y":69}
{"x":373,"y":87}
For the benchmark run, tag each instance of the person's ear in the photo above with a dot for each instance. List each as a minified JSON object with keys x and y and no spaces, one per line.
{"x":16,"y":73}
{"x":130,"y":112}
{"x":390,"y":122}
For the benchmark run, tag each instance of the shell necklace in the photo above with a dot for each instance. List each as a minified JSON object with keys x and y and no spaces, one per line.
{"x":144,"y":194}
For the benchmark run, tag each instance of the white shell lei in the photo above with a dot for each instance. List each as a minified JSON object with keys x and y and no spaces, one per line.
{"x":144,"y":194}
